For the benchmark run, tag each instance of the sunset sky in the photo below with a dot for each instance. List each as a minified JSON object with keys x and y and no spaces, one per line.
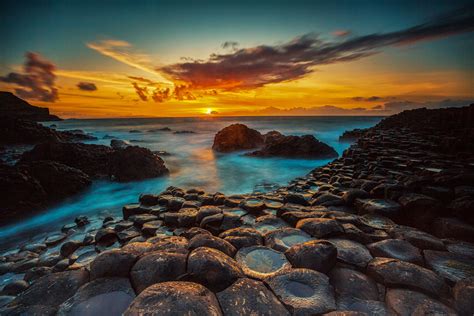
{"x":156,"y":58}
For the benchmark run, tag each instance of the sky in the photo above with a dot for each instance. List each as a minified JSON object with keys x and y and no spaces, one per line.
{"x":91,"y":59}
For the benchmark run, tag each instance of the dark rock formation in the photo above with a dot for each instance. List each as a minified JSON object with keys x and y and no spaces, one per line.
{"x":237,"y":137}
{"x":352,"y":135}
{"x":13,"y":107}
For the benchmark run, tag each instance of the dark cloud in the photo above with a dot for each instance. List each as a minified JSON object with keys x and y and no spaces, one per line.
{"x":37,"y":80}
{"x":230,"y":44}
{"x":144,"y":80}
{"x":377,"y":107}
{"x":369,"y":99}
{"x":257,"y":66}
{"x":399,"y":106}
{"x":87,"y":86}
{"x":141,"y":92}
{"x":161,"y":95}
{"x":214,"y":112}
{"x":341,"y":33}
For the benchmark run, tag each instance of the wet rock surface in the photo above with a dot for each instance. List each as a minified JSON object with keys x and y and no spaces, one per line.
{"x":385,"y":229}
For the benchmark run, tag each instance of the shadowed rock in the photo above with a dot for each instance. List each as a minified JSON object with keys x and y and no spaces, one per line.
{"x":453,"y":267}
{"x":112,"y":263}
{"x":319,"y":255}
{"x":407,"y":302}
{"x":398,"y":249}
{"x":175,"y":298}
{"x":320,"y":227}
{"x":351,"y":252}
{"x":237,"y":137}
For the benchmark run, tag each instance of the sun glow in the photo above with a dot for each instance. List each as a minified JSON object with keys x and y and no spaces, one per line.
{"x":208,"y":111}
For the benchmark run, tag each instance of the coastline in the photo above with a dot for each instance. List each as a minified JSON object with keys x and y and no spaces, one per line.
{"x":354,"y":212}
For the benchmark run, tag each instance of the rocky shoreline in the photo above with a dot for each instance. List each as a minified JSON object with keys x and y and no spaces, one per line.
{"x":386,"y":229}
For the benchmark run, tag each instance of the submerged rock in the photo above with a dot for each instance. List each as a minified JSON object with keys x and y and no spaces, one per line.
{"x":303,"y":291}
{"x":237,"y":137}
{"x":260,"y":262}
{"x":175,"y":298}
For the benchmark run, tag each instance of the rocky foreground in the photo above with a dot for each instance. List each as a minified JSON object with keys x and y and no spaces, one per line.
{"x":386,"y":229}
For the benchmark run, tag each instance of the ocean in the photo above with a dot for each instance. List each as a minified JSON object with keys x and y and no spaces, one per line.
{"x":191,"y":162}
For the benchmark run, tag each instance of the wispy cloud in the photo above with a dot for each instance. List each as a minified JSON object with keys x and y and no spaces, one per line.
{"x":255,"y":67}
{"x":37,"y":81}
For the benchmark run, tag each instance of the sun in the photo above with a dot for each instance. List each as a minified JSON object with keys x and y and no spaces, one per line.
{"x":208,"y":111}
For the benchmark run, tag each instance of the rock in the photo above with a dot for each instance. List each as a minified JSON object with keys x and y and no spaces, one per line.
{"x":306,"y":146}
{"x":242,"y":237}
{"x":352,"y":135}
{"x":407,"y":302}
{"x":417,"y":238}
{"x":105,"y":296}
{"x":169,"y":243}
{"x":58,"y":181}
{"x":260,"y":262}
{"x":387,"y":208}
{"x":453,"y":228}
{"x":175,"y":298}
{"x":398,"y":249}
{"x":284,"y":238}
{"x":112,"y":263}
{"x":15,"y":287}
{"x":351,"y":195}
{"x":423,"y":207}
{"x":351,"y":252}
{"x":53,"y":289}
{"x":353,"y":284}
{"x":54,"y":239}
{"x":69,"y":247}
{"x":393,"y":272}
{"x":212,"y":268}
{"x":136,"y":163}
{"x":463,"y":293}
{"x":20,"y":193}
{"x":106,"y":236}
{"x":13,"y":107}
{"x":303,"y":291}
{"x":253,"y":205}
{"x":453,"y":267}
{"x":237,"y":137}
{"x":249,"y":297}
{"x":320,"y":227}
{"x":186,"y":217}
{"x":157,"y":267}
{"x":269,"y":223}
{"x":119,"y":144}
{"x":204,"y":240}
{"x":319,"y":255}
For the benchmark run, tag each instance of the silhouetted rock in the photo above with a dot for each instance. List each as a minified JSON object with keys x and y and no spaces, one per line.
{"x":13,"y":107}
{"x":237,"y":137}
{"x":352,"y":135}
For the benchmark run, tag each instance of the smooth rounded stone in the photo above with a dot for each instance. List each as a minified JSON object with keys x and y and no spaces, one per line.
{"x":53,"y":289}
{"x":84,"y":260}
{"x":122,"y":225}
{"x":169,"y":243}
{"x":133,"y":209}
{"x":160,"y":266}
{"x":260,"y":262}
{"x":193,"y":231}
{"x":37,"y":248}
{"x":68,"y":227}
{"x":367,"y":307}
{"x":250,"y":297}
{"x":351,"y":252}
{"x":398,"y":249}
{"x":175,"y":298}
{"x":210,"y":241}
{"x":54,"y":239}
{"x":463,"y":293}
{"x":320,"y":227}
{"x":69,"y":247}
{"x":352,"y":232}
{"x":303,"y":291}
{"x":137,"y":248}
{"x":105,"y":296}
{"x":453,"y":228}
{"x":319,"y":255}
{"x":296,"y":198}
{"x":377,"y":221}
{"x":408,"y":302}
{"x":128,"y":234}
{"x":268,"y":223}
{"x":461,"y":248}
{"x":327,"y":199}
{"x":413,"y":202}
{"x":253,"y":205}
{"x":61,"y":265}
{"x":213,"y":268}
{"x":352,"y":194}
{"x":284,"y":238}
{"x":393,"y":272}
{"x":273,"y":204}
{"x":23,"y":265}
{"x":141,"y":219}
{"x":36,"y":272}
{"x":4,"y":300}
{"x":149,"y":199}
{"x":453,"y":267}
{"x":242,"y":237}
{"x":175,"y":204}
{"x":29,"y":310}
{"x":353,"y":284}
{"x":112,"y":263}
{"x":15,"y":287}
{"x":230,"y":221}
{"x":106,"y":236}
{"x":151,"y":227}
{"x":186,"y":217}
{"x":417,"y":238}
{"x":205,"y":211}
{"x":345,"y":313}
{"x":387,"y":208}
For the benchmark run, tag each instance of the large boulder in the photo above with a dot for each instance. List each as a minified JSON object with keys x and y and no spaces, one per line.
{"x":136,"y":163}
{"x":237,"y":137}
{"x":306,"y":146}
{"x":13,"y":107}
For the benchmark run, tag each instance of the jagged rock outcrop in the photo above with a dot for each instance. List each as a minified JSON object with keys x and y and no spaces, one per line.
{"x":13,"y":107}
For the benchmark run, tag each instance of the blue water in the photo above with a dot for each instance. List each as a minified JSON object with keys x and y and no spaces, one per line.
{"x":192,"y":163}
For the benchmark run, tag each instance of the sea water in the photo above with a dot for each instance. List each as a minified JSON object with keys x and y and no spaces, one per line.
{"x":191,"y":161}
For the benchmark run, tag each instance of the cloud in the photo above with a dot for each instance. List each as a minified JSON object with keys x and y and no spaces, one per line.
{"x":399,"y":106}
{"x":144,"y":80}
{"x":37,"y":82}
{"x":87,"y":86}
{"x":141,"y":92}
{"x":255,"y":67}
{"x":369,"y":99}
{"x":341,"y":33}
{"x":231,"y":45}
